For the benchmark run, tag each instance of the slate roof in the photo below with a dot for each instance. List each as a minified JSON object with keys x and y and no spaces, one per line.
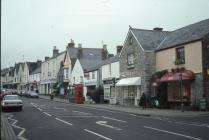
{"x":111,"y":60}
{"x":186,"y":34}
{"x":149,"y":39}
{"x":17,"y":66}
{"x":32,"y":66}
{"x":11,"y":71}
{"x":91,"y":57}
{"x":37,"y":70}
{"x":55,"y":56}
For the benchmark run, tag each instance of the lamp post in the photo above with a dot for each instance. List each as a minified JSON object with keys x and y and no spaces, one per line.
{"x":181,"y":85}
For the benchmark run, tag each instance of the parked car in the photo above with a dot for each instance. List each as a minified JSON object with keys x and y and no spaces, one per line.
{"x":32,"y":94}
{"x":11,"y":101}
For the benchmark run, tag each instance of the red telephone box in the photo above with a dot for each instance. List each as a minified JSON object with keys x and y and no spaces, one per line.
{"x":79,"y":98}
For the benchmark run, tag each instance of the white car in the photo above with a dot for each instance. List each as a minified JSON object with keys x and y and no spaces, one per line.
{"x":12,"y":101}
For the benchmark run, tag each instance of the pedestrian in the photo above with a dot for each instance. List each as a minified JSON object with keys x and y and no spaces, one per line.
{"x":142,"y":101}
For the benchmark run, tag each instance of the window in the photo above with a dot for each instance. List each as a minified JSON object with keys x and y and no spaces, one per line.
{"x":180,"y":56}
{"x":93,"y":75}
{"x":66,"y":72}
{"x":130,"y":59}
{"x":86,"y":75}
{"x":130,"y":40}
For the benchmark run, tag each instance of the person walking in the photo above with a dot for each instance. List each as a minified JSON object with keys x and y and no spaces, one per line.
{"x":142,"y":101}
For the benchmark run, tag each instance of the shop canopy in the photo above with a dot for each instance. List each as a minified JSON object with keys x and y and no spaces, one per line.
{"x":134,"y":81}
{"x":176,"y":76}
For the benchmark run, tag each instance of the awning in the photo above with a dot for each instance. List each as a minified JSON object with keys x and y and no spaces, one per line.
{"x":134,"y":81}
{"x":175,"y":76}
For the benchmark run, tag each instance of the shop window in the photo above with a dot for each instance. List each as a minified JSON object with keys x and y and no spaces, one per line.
{"x":180,"y":56}
{"x":129,"y":92}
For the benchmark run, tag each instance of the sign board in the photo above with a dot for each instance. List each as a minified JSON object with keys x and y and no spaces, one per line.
{"x":208,"y":71}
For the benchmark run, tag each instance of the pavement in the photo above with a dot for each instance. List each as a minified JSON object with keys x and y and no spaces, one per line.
{"x":138,"y":110}
{"x":7,"y":132}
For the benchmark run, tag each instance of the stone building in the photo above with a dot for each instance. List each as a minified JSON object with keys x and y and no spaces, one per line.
{"x":137,"y":64}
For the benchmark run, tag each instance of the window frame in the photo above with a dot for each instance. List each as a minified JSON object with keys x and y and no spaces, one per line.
{"x":180,"y":55}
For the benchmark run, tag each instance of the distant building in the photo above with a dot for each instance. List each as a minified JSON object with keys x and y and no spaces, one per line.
{"x":49,"y":71}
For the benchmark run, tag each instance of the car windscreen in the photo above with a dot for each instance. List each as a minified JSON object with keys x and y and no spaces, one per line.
{"x":11,"y":98}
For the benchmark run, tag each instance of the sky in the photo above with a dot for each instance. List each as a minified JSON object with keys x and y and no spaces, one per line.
{"x":30,"y":28}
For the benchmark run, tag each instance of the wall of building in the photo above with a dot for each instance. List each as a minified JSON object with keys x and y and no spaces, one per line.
{"x":144,"y":64}
{"x":193,"y":58}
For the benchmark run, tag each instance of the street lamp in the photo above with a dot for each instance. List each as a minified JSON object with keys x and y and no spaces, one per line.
{"x":181,"y":85}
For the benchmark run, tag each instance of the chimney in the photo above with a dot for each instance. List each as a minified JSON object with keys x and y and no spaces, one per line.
{"x":71,"y":44}
{"x":110,"y":55}
{"x":158,"y":29}
{"x":119,"y":48}
{"x":55,"y":51}
{"x":80,"y":51}
{"x":38,"y":62}
{"x":46,"y":58}
{"x":104,"y":52}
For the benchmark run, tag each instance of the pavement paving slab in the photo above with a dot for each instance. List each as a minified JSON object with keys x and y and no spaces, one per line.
{"x":7,"y":132}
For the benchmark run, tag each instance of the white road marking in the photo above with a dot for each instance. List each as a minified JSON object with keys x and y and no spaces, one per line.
{"x":79,"y":116}
{"x":97,"y":134}
{"x":83,"y":113}
{"x":63,"y":121}
{"x":60,"y":108}
{"x":47,"y":114}
{"x":39,"y":109}
{"x":104,"y":123}
{"x":133,"y":115}
{"x":14,"y":125}
{"x":114,"y":119}
{"x":173,"y":133}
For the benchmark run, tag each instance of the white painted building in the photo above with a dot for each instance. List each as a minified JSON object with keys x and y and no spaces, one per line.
{"x":110,"y":75}
{"x":49,"y":71}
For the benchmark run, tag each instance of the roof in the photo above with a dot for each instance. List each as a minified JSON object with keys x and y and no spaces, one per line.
{"x":149,"y":39}
{"x":186,"y":34}
{"x":17,"y":66}
{"x":91,"y":57}
{"x":54,"y":56}
{"x":111,"y":60}
{"x":37,"y":70}
{"x":32,"y":66}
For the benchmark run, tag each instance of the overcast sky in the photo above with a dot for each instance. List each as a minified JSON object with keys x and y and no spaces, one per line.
{"x":32,"y":27}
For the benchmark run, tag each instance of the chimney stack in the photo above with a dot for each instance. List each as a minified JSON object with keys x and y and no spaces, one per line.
{"x":158,"y":29}
{"x":80,"y":51}
{"x":55,"y":51}
{"x":71,"y":44}
{"x":46,"y":58}
{"x":104,"y":52}
{"x":119,"y":48}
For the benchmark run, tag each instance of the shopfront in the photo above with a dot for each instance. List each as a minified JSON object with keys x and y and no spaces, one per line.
{"x":177,"y":87}
{"x":128,"y":91}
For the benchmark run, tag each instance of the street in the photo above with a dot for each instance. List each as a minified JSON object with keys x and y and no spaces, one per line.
{"x":45,"y":119}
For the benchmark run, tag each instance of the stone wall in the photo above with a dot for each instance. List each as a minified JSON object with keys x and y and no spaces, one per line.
{"x":205,"y":58}
{"x":196,"y":90}
{"x":144,"y":64}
